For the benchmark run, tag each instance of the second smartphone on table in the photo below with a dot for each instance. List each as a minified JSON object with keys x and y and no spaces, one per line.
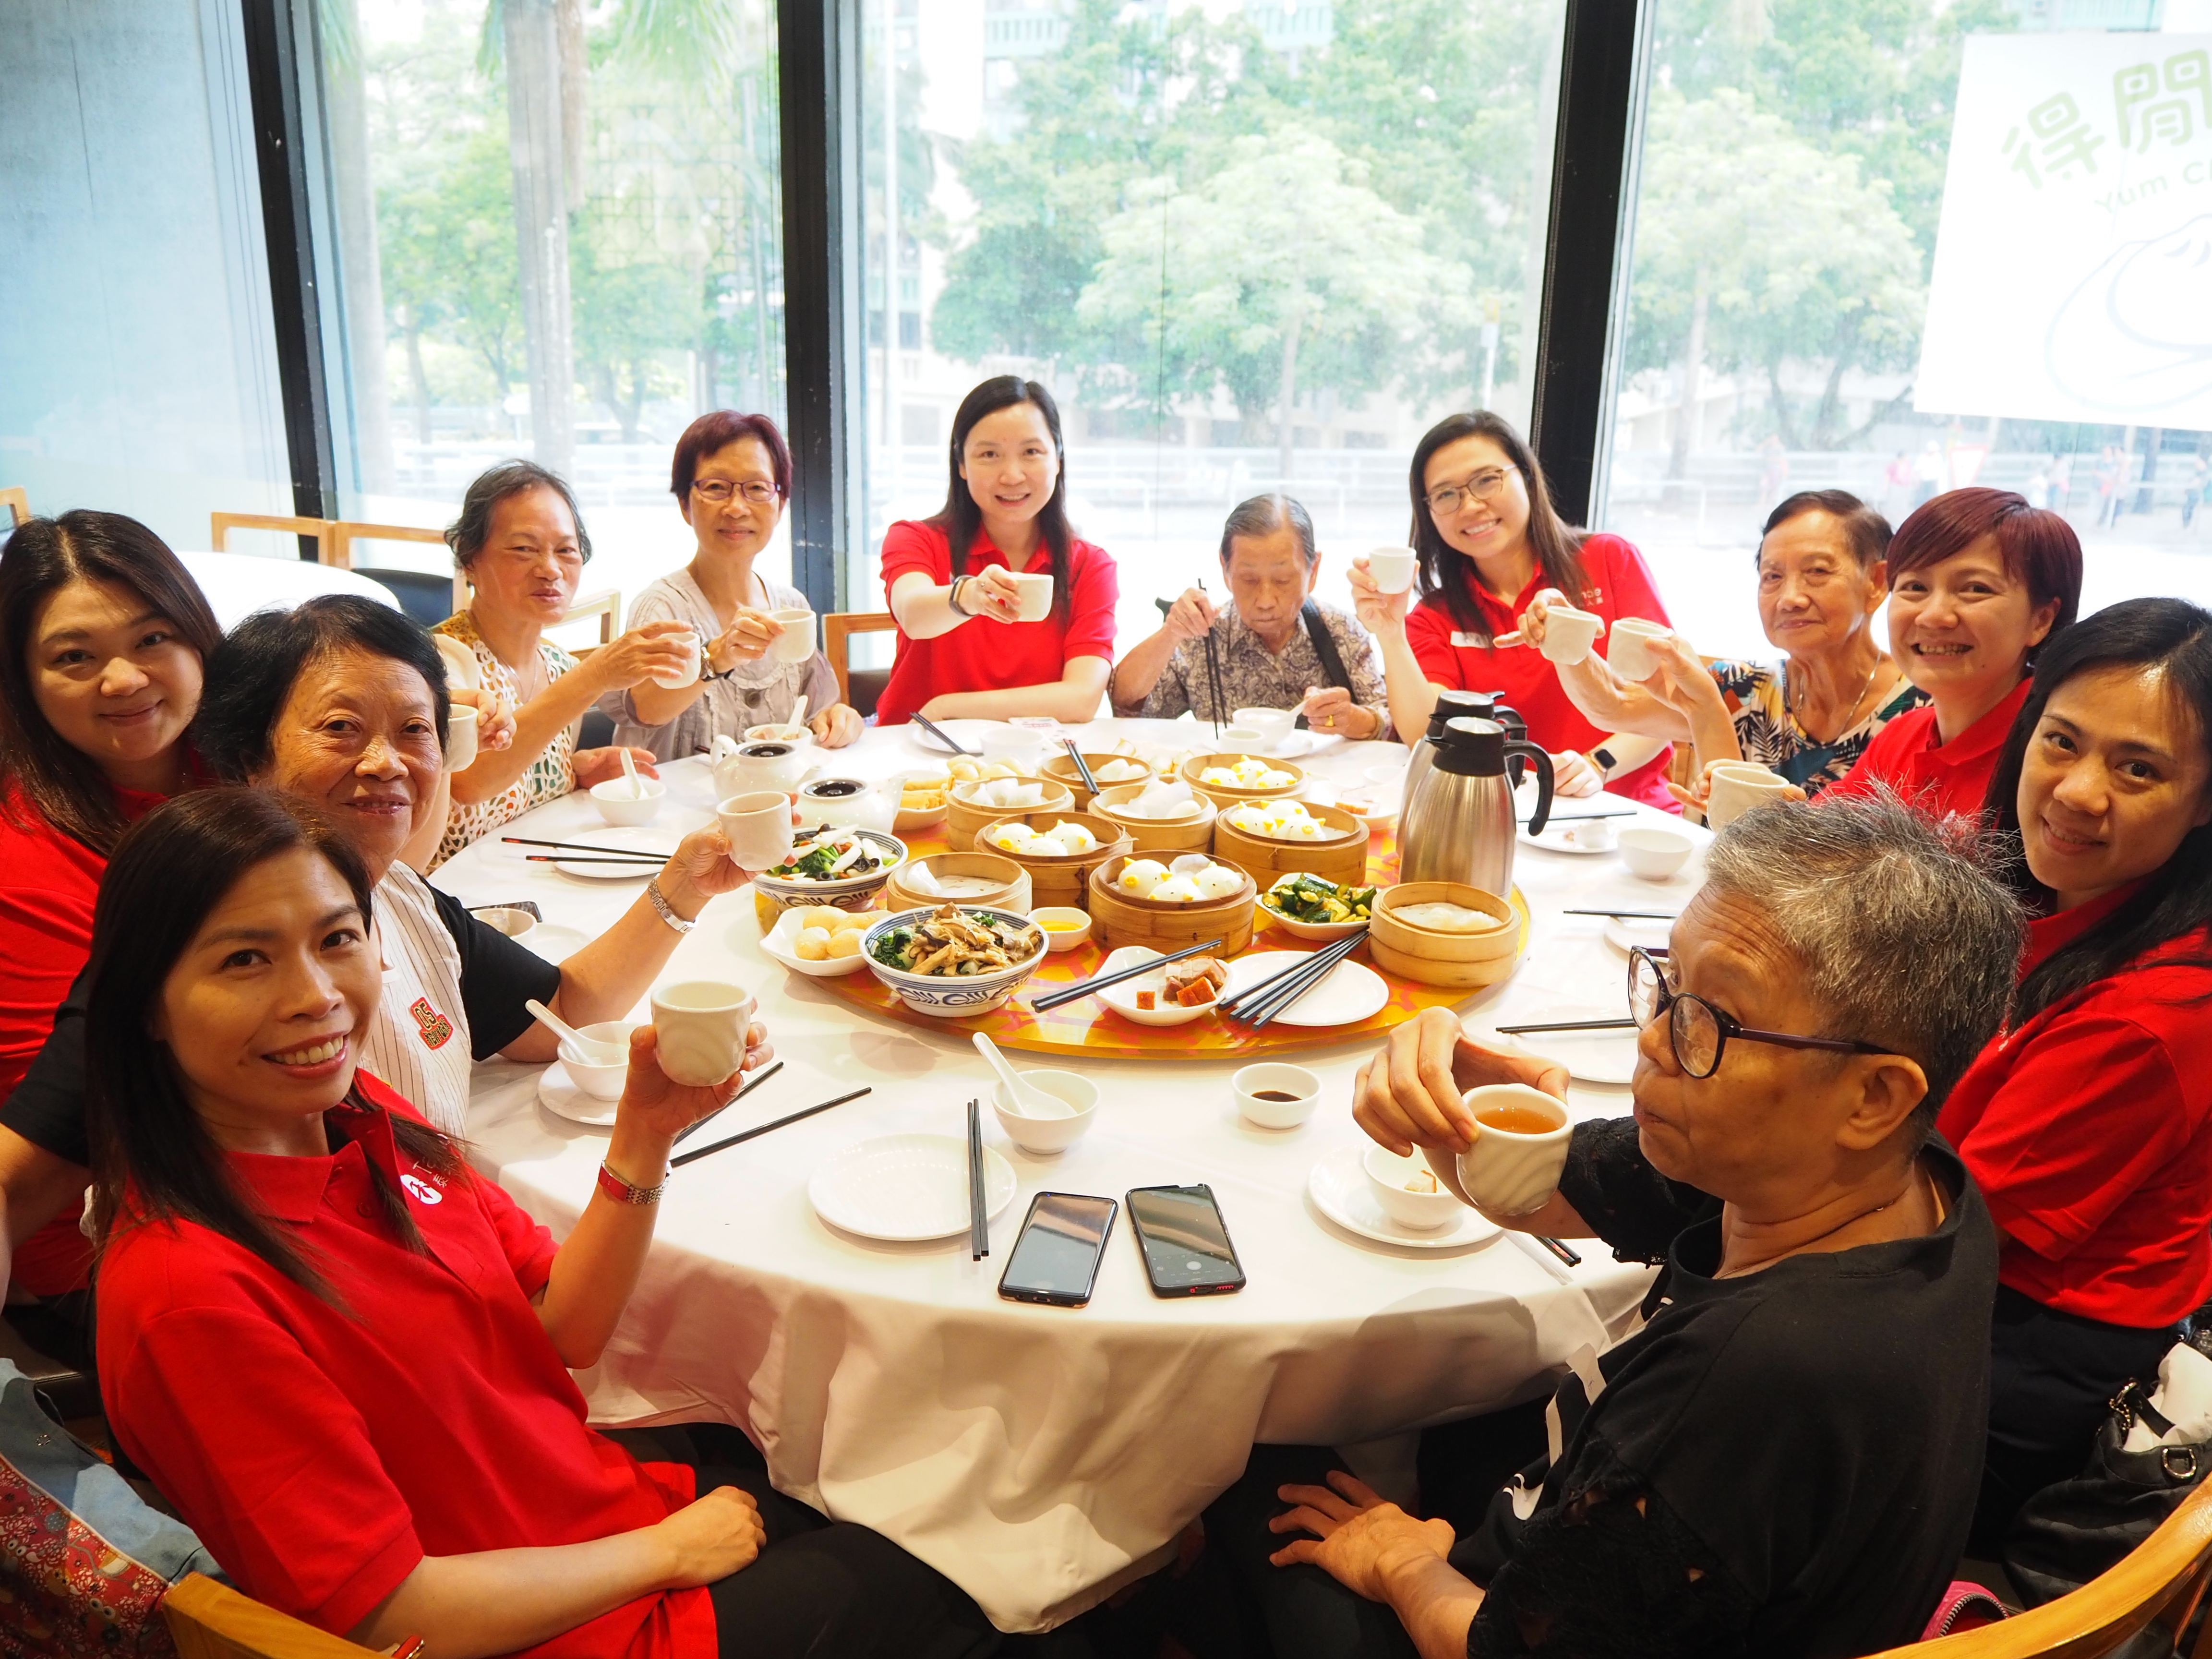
{"x":1180,"y":1233}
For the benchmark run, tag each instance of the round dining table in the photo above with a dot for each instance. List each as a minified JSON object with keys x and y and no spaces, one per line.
{"x":1039,"y":1456}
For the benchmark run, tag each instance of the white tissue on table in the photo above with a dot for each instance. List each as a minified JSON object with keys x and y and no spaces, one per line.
{"x":920,"y":879}
{"x":2184,"y":1397}
{"x":1190,"y":863}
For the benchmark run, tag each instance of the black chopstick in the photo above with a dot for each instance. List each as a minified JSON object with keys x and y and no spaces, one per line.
{"x":698,"y":1153}
{"x":751,"y":1084}
{"x":979,"y":1226}
{"x":1260,"y":988}
{"x":1584,"y":817}
{"x":1629,"y":915}
{"x":1566,"y":1252}
{"x":1213,"y":674}
{"x":582,"y":845}
{"x":1569,"y":1025}
{"x":1099,"y":982}
{"x":942,"y":736}
{"x":643,"y":863}
{"x":1082,"y":766}
{"x":1317,"y":967}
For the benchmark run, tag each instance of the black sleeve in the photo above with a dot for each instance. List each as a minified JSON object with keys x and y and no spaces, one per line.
{"x":1630,"y":1204}
{"x":1610,"y":1570}
{"x":497,"y":977}
{"x":47,"y":1108}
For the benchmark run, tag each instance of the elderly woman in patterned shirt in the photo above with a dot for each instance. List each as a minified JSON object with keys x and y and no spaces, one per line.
{"x":523,"y":544}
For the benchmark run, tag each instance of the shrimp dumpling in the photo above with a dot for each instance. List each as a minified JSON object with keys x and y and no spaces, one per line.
{"x":1216,"y":881}
{"x":1189,"y":864}
{"x":1139,"y":877}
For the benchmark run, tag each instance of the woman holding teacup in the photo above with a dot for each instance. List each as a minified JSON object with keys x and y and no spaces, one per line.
{"x":1780,"y":1458}
{"x":1489,"y":542}
{"x":522,"y":544}
{"x":342,"y":702}
{"x":1823,"y":572}
{"x":1019,"y":619}
{"x":731,"y":478}
{"x":410,"y":1457}
{"x":2087,"y":1125}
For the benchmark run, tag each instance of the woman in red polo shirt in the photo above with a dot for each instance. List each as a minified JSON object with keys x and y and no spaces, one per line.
{"x":409,"y":1456}
{"x":103,"y":637}
{"x":963,"y":652}
{"x":2087,"y":1123}
{"x":1490,"y":542}
{"x":1977,"y":580}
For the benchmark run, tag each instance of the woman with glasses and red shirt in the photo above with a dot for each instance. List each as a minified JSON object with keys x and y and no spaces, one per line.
{"x":731,"y":478}
{"x":1490,"y":544}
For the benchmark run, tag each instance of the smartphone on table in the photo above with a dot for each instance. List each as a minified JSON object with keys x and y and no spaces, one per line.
{"x":1056,"y":1255}
{"x":1186,"y":1246}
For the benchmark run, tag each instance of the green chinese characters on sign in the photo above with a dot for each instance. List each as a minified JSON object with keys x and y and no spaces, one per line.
{"x":2146,"y":118}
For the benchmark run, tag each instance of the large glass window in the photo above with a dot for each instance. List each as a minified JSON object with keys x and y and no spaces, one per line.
{"x":1250,"y":245}
{"x":1899,"y":246}
{"x":560,"y":237}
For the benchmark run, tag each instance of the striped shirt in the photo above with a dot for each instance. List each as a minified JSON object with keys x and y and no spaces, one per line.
{"x":418,"y":1042}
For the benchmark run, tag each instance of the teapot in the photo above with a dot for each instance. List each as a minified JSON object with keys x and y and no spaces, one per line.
{"x":1459,"y":823}
{"x":742,"y":769}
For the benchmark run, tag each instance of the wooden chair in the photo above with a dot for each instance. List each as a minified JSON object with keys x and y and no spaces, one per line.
{"x":837,"y":630}
{"x":606,"y":605}
{"x":325,"y":530}
{"x":208,"y":1620}
{"x":2161,"y":1583}
{"x":350,"y":531}
{"x":17,"y":500}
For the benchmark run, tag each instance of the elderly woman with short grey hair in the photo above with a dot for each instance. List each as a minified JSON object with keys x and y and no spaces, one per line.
{"x":1275,"y":646}
{"x":1782,"y":1458}
{"x":523,"y":546}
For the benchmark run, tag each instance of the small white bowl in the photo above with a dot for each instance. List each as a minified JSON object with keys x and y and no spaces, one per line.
{"x":1047,"y":1137}
{"x":619,"y":809}
{"x":509,"y":921}
{"x":1272,"y":725}
{"x":1653,"y":854}
{"x":1424,"y":1211}
{"x":1075,"y":926}
{"x":1301,"y":1086}
{"x":600,"y":1082}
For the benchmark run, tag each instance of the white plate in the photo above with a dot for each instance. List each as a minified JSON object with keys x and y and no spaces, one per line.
{"x":554,"y":943}
{"x":1352,"y":992}
{"x":780,"y":940}
{"x":1626,"y":936}
{"x":1338,"y":1189}
{"x":1295,"y":744}
{"x":1554,"y":839}
{"x":1591,"y":1056}
{"x":564,"y":1099}
{"x":1122,"y":998}
{"x":967,"y":733}
{"x":660,"y":846}
{"x":904,"y":1188}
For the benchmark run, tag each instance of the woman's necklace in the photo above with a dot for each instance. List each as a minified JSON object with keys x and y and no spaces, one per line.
{"x":1796,"y":701}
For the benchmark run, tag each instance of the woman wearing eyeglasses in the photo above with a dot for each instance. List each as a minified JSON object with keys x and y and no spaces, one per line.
{"x":1490,"y":542}
{"x":731,"y":478}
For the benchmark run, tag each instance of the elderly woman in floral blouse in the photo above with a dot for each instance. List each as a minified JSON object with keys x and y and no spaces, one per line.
{"x":523,"y":544}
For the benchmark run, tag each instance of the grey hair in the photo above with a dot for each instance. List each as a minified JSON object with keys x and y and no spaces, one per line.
{"x":467,"y":534}
{"x":1901,"y":937}
{"x":1263,"y":515}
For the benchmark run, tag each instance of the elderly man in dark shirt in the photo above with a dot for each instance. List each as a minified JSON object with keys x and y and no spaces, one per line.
{"x":1782,"y":1460}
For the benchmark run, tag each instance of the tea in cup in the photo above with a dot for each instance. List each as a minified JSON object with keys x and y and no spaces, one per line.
{"x":1520,"y":1146}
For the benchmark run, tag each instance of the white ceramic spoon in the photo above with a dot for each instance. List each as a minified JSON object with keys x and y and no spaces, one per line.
{"x":587,"y":1049}
{"x":798,"y":712}
{"x":1032,"y":1100}
{"x":630,"y":771}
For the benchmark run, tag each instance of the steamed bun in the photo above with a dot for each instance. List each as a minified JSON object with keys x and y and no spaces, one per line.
{"x":1140,"y":877}
{"x":1174,"y":890}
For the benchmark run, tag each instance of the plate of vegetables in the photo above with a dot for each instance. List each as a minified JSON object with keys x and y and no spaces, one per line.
{"x":1305,"y":907}
{"x":953,"y":961}
{"x":826,"y":864}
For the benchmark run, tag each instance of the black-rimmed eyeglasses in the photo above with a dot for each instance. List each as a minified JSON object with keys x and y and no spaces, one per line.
{"x":1482,"y":487}
{"x":1699,"y":1031}
{"x":719,"y":491}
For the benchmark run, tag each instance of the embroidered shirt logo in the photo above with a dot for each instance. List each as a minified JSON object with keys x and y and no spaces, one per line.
{"x":423,"y":1191}
{"x":436,"y":1029}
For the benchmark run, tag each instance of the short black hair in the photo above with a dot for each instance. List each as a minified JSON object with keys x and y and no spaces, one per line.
{"x":252,"y":674}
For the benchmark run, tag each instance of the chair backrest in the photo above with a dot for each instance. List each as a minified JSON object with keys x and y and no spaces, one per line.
{"x":17,"y":500}
{"x":209,"y":1620}
{"x":350,"y":531}
{"x":325,"y":530}
{"x":837,"y":630}
{"x":2160,"y":1582}
{"x":606,"y":605}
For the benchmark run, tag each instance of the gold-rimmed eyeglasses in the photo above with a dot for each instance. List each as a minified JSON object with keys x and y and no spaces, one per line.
{"x":1484,"y":486}
{"x":1699,"y":1031}
{"x":719,"y":491}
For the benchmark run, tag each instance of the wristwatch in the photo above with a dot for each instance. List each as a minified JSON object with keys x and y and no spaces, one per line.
{"x":953,"y":597}
{"x":623,"y":1193}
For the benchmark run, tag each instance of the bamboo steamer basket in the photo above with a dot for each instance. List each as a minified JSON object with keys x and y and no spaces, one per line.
{"x":1459,"y":960}
{"x":1060,"y":769}
{"x":964,"y":819}
{"x":1342,"y":857}
{"x":1012,"y":892}
{"x":1191,"y":834}
{"x":1117,"y":918}
{"x":1225,"y":796}
{"x":1059,"y":880}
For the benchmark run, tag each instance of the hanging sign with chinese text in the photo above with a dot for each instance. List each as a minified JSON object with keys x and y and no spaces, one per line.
{"x":2073,"y":276}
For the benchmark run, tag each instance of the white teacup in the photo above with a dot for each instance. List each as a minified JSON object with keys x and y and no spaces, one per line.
{"x":796,"y":642}
{"x":1509,"y":1170}
{"x":702,"y":1025}
{"x":460,"y":738}
{"x":1569,"y":633}
{"x":1630,"y":656}
{"x":690,"y":676}
{"x":1393,"y":568}
{"x":1272,"y":725}
{"x":1234,"y":738}
{"x":759,"y":827}
{"x":1035,"y":590}
{"x":1739,"y":786}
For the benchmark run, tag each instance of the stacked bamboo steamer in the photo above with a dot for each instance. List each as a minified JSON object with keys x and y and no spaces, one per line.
{"x":1457,"y":961}
{"x":965,"y":817}
{"x":1012,"y":892}
{"x":1058,"y":880}
{"x":1227,"y":795}
{"x":1119,"y":919}
{"x":1060,"y":769}
{"x":1191,"y":834}
{"x":1340,"y":857}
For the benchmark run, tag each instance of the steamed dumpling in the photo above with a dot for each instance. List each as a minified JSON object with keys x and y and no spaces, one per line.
{"x":1176,"y":889}
{"x":1189,"y":864}
{"x":1015,"y":838}
{"x":1120,"y":771}
{"x":1220,"y":776}
{"x":812,"y":945}
{"x":1073,"y":837}
{"x":1139,"y":877}
{"x":1216,"y":881}
{"x":1271,"y":779}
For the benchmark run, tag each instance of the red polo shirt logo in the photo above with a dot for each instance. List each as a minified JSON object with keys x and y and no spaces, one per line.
{"x":421,"y":1189}
{"x":437,"y":1030}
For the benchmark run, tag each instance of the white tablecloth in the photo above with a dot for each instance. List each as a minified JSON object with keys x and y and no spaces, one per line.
{"x":1040,"y":1456}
